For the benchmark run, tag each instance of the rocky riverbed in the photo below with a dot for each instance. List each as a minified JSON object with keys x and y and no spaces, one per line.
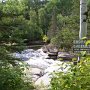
{"x":39,"y":67}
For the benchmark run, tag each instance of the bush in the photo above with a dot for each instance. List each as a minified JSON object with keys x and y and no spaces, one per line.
{"x":11,"y":78}
{"x":77,"y":79}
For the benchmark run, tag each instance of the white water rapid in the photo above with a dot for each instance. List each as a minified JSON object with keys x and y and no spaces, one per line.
{"x":40,"y":67}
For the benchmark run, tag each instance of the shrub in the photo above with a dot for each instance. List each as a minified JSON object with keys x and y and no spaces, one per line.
{"x":77,"y":79}
{"x":11,"y":78}
{"x":11,"y":74}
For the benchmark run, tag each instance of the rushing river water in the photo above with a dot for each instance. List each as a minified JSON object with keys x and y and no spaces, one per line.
{"x":40,"y":66}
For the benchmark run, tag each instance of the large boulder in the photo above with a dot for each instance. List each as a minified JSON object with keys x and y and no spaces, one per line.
{"x":65,"y":56}
{"x":36,"y":71}
{"x":34,"y":78}
{"x":49,"y":48}
{"x":44,"y":80}
{"x":57,"y":66}
{"x":33,"y":73}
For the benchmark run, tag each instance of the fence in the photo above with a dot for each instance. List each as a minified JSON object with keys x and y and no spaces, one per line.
{"x":79,"y":45}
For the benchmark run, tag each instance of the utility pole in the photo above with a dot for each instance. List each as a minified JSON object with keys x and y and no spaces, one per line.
{"x":83,"y":19}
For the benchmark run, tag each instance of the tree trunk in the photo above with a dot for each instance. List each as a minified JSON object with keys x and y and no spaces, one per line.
{"x":83,"y":19}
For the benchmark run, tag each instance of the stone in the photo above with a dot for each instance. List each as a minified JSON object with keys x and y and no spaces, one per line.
{"x":44,"y":80}
{"x":34,"y":78}
{"x":53,"y":55}
{"x":65,"y":56}
{"x":37,"y":71}
{"x":33,"y":73}
{"x":49,"y":48}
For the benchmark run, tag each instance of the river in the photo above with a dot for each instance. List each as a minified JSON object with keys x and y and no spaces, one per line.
{"x":40,"y":67}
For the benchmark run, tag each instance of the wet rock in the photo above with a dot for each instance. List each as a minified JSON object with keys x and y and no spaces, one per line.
{"x":33,"y":73}
{"x":49,"y":48}
{"x":36,"y":71}
{"x":35,"y":78}
{"x":57,"y":66}
{"x":65,"y":56}
{"x":52,"y":55}
{"x":44,"y":80}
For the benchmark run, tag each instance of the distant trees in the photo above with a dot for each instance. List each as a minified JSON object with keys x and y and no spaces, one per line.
{"x":19,"y":18}
{"x":67,"y":20}
{"x":34,"y":18}
{"x":52,"y":32}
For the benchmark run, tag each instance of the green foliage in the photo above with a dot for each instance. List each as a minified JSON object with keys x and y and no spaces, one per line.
{"x":87,"y":42}
{"x":44,"y":20}
{"x":77,"y":78}
{"x":70,"y":22}
{"x":11,"y":73}
{"x":13,"y":26}
{"x":11,"y":78}
{"x":64,"y":7}
{"x":88,"y":3}
{"x":84,"y":38}
{"x":22,"y":20}
{"x":45,"y":38}
{"x":33,"y":32}
{"x":64,"y":39}
{"x":13,"y":7}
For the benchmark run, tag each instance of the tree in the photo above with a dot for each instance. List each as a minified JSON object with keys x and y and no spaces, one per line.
{"x":53,"y":27}
{"x":11,"y":26}
{"x":64,"y":39}
{"x":83,"y":19}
